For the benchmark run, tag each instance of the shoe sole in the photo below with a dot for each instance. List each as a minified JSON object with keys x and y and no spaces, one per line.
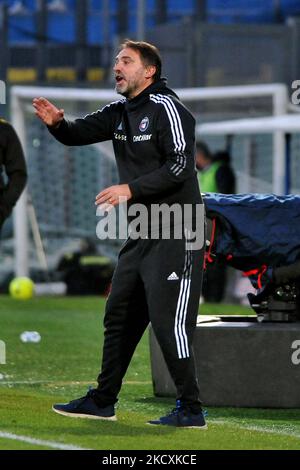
{"x":201,"y":428}
{"x":75,"y":415}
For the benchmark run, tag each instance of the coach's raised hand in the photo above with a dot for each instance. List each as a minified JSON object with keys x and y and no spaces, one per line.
{"x":47,"y":112}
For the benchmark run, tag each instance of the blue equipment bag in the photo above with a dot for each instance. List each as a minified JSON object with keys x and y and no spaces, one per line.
{"x":258,"y":234}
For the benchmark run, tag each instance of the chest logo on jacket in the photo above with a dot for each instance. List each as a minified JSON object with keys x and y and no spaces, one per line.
{"x":144,"y":124}
{"x":141,"y":138}
{"x":120,"y":136}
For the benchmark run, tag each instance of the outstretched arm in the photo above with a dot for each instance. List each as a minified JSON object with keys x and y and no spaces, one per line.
{"x":95,"y":127}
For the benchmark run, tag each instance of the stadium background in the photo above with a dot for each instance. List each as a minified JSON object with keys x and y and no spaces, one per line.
{"x":70,"y":44}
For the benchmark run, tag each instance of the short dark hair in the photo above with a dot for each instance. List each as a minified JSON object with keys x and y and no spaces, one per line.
{"x":149,"y":54}
{"x":222,"y":156}
{"x":203,"y":148}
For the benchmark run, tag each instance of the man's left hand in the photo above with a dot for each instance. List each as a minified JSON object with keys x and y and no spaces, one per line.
{"x":113,"y":196}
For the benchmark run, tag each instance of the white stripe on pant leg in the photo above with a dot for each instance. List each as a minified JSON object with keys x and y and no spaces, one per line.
{"x":185,"y":307}
{"x":181,"y":319}
{"x":181,"y":301}
{"x":181,"y":311}
{"x":176,"y":326}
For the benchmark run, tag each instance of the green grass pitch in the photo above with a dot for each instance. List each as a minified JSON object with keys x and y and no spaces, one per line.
{"x":67,"y":360}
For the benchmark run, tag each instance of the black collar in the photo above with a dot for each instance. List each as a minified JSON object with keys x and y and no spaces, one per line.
{"x":143,"y":97}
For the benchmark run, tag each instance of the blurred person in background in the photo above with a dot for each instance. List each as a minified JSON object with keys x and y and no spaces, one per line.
{"x":215,"y":175}
{"x":215,"y":172}
{"x":13,"y":174}
{"x":86,"y":271}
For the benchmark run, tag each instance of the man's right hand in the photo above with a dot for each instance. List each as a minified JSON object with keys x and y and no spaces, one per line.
{"x":47,"y":112}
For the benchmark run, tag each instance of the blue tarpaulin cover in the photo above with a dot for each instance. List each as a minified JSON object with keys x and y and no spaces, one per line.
{"x":255,"y":229}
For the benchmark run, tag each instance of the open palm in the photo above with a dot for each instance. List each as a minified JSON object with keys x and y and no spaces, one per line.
{"x":47,"y":112}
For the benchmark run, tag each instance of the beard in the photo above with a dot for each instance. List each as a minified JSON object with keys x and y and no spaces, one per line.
{"x":127,"y":89}
{"x":124,"y":93}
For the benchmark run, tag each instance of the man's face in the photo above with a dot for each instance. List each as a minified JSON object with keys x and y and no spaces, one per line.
{"x":131,"y":75}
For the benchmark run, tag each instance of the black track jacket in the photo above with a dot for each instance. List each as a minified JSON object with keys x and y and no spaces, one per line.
{"x":153,"y":136}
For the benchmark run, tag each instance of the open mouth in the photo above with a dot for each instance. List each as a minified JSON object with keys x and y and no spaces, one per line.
{"x":119,"y":79}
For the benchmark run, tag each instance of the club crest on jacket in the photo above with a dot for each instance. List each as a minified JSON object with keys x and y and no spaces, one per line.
{"x":144,"y":124}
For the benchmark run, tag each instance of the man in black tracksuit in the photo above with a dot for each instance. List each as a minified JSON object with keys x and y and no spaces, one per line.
{"x":12,"y":161}
{"x":156,"y":279}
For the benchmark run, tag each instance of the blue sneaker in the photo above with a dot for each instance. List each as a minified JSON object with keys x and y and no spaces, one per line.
{"x":85,"y":407}
{"x":181,"y":417}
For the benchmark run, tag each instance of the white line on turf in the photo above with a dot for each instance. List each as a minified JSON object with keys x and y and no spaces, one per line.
{"x":50,"y":382}
{"x":284,"y":431}
{"x":39,"y":442}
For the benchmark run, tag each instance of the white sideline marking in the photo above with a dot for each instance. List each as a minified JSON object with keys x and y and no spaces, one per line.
{"x":39,"y":442}
{"x":287,"y":431}
{"x":75,"y":382}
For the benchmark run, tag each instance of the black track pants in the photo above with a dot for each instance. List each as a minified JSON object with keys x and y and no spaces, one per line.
{"x":157,"y":281}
